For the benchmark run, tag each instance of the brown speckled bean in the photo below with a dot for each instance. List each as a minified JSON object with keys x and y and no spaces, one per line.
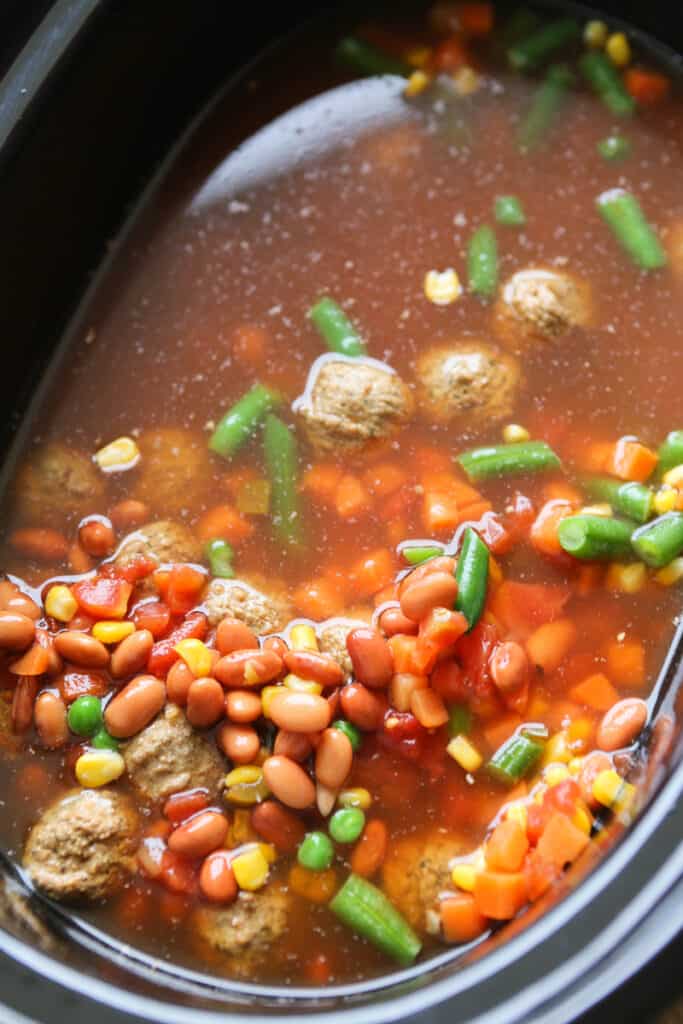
{"x":373,"y":662}
{"x":288,"y":782}
{"x":199,"y":835}
{"x":243,"y":706}
{"x":295,"y":745}
{"x":333,"y":758}
{"x":81,"y":649}
{"x":17,"y":632}
{"x":49,"y":715}
{"x":131,"y":654}
{"x":135,"y":706}
{"x":238,"y":742}
{"x":593,"y":764}
{"x":362,"y":707}
{"x":436,"y":590}
{"x":234,"y":635}
{"x":319,"y":668}
{"x":300,"y":712}
{"x":621,"y":724}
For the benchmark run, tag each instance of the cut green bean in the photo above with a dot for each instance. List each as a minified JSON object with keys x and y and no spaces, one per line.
{"x":632,"y":499}
{"x":472,"y":574}
{"x":660,"y":541}
{"x":614,"y":147}
{"x":282,"y":460}
{"x":671,"y":451}
{"x":509,"y":211}
{"x":337,"y":330}
{"x":368,"y":912}
{"x":595,"y":538}
{"x":546,"y":104}
{"x":605,"y":80}
{"x":219,"y":555}
{"x":242,"y":419}
{"x":536,"y":49}
{"x":515,"y":759}
{"x":415,"y":555}
{"x":622,"y":213}
{"x":459,"y":720}
{"x":508,"y":459}
{"x":367,"y":60}
{"x":482,"y":262}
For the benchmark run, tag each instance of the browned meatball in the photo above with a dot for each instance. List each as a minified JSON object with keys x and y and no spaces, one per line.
{"x":173,"y":471}
{"x":169,"y":756}
{"x":57,"y":483}
{"x":163,"y":541}
{"x":417,"y":869}
{"x":538,"y":304}
{"x":349,"y":402}
{"x":83,"y":846}
{"x":262,"y":606}
{"x":245,"y":930}
{"x":467,"y":380}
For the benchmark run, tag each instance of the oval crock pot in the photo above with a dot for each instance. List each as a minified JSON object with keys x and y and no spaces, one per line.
{"x":88,"y":110}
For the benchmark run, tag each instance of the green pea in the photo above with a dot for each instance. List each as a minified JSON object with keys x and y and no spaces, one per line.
{"x":85,"y":715}
{"x":103,"y":741}
{"x":315,"y":851}
{"x":346,"y":825}
{"x":352,"y":734}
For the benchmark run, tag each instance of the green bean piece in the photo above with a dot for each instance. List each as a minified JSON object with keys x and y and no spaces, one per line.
{"x":240,"y":421}
{"x":281,"y":454}
{"x":660,"y":541}
{"x":219,"y":555}
{"x":367,"y":60}
{"x":353,"y":735}
{"x":472,"y":574}
{"x":509,"y":211}
{"x":515,"y":759}
{"x":622,"y":213}
{"x":632,"y":499}
{"x":315,"y":852}
{"x":614,"y":147}
{"x":418,"y":553}
{"x":671,"y":451}
{"x":595,"y":538}
{"x":459,"y":720}
{"x":368,"y":912}
{"x":337,"y":330}
{"x":482,"y":262}
{"x":605,"y":80}
{"x":508,"y":459}
{"x":530,"y":53}
{"x":545,"y":107}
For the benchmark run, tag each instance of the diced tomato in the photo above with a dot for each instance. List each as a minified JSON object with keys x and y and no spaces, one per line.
{"x":75,"y":683}
{"x":181,"y":587}
{"x":177,"y":873}
{"x":103,"y":597}
{"x":474,"y":650}
{"x":495,"y":534}
{"x":519,"y":516}
{"x":163,"y":654}
{"x":448,"y":679}
{"x":180,"y":806}
{"x":522,"y":607}
{"x":437,"y":633}
{"x":402,"y":733}
{"x":563,"y":797}
{"x":139,"y":567}
{"x":152,"y":615}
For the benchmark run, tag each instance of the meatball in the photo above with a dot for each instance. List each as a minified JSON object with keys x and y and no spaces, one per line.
{"x":168,"y":756}
{"x":245,"y":930}
{"x":467,"y":380}
{"x":539,"y":304}
{"x":57,"y":483}
{"x":163,"y":541}
{"x":262,"y":610}
{"x":174,"y":470}
{"x":349,"y":402}
{"x":417,"y":870}
{"x":83,"y":846}
{"x":332,"y":636}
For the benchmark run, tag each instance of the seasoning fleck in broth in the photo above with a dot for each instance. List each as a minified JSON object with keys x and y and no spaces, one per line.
{"x":343,"y":551}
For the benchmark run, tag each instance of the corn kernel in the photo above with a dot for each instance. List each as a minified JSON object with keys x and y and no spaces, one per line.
{"x":626,"y":579}
{"x":518,"y":812}
{"x":267,"y":694}
{"x":268,"y":851}
{"x":464,"y":875}
{"x":595,"y":34}
{"x":601,"y":508}
{"x":109,"y":632}
{"x":466,"y":81}
{"x":583,"y":819}
{"x":302,"y":638}
{"x":608,"y":788}
{"x":674,"y":477}
{"x":250,"y":869}
{"x":556,"y":750}
{"x":554,"y":774}
{"x":575,"y":765}
{"x":513,"y":433}
{"x":299,"y":685}
{"x":665,"y":500}
{"x":196,"y":656}
{"x":416,"y":84}
{"x":97,"y":768}
{"x":118,"y":455}
{"x":246,"y":773}
{"x":357,"y":797}
{"x":442,"y":288}
{"x":60,"y":603}
{"x":419,"y":57}
{"x":465,"y":753}
{"x":618,"y":49}
{"x":245,"y":785}
{"x":671,"y":573}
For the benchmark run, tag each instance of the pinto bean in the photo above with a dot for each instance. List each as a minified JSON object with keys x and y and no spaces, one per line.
{"x":373,"y":662}
{"x":40,"y":544}
{"x":79,"y":559}
{"x":128,"y":514}
{"x":621,"y":724}
{"x":300,"y":712}
{"x":96,"y":536}
{"x":278,"y":826}
{"x":319,"y":668}
{"x":593,"y":764}
{"x":362,"y":707}
{"x":240,"y":743}
{"x":81,"y":649}
{"x":295,"y":745}
{"x":288,"y":782}
{"x":178,"y":682}
{"x":22,"y":604}
{"x":243,"y":706}
{"x":248,"y":668}
{"x":234,"y":635}
{"x":437,"y":590}
{"x":23,"y":703}
{"x":205,"y":702}
{"x":199,"y":835}
{"x":216,"y":878}
{"x":17,"y":632}
{"x":333,"y":758}
{"x":135,"y":706}
{"x":132,"y":653}
{"x":393,"y":621}
{"x":49,"y":714}
{"x":442,"y":563}
{"x":275,"y":644}
{"x":509,"y":666}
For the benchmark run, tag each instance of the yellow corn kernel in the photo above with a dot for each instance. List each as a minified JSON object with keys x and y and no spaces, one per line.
{"x":60,"y":603}
{"x":665,"y":500}
{"x":302,"y":638}
{"x":575,"y":765}
{"x":618,"y":49}
{"x":626,"y":578}
{"x":465,"y":753}
{"x":268,"y":851}
{"x":517,"y":812}
{"x":299,"y":685}
{"x":417,"y":83}
{"x":109,"y":632}
{"x":267,"y":694}
{"x":554,"y":774}
{"x":513,"y":433}
{"x":595,"y":34}
{"x":556,"y":750}
{"x":466,"y":81}
{"x":442,"y":288}
{"x":600,"y":509}
{"x":245,"y":773}
{"x":250,"y":869}
{"x":419,"y":57}
{"x":118,"y":455}
{"x":583,"y":819}
{"x":610,"y":790}
{"x":241,"y":830}
{"x":671,"y":573}
{"x":97,"y":768}
{"x":245,"y":785}
{"x":579,"y":733}
{"x":674,"y":477}
{"x":464,"y":875}
{"x":196,"y":656}
{"x":357,"y":797}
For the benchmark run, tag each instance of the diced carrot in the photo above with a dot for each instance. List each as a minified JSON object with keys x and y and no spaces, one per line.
{"x":318,"y":599}
{"x":396,"y":530}
{"x":596,"y":692}
{"x":224,"y":522}
{"x":103,"y":597}
{"x":350,"y":498}
{"x":249,"y":345}
{"x":589,"y":578}
{"x":372,"y":572}
{"x":404,"y":652}
{"x":596,"y":457}
{"x":507,"y":846}
{"x":560,"y":490}
{"x":428,"y":707}
{"x":544,"y":529}
{"x":473,"y":513}
{"x":384,"y":479}
{"x":461,"y":920}
{"x":548,"y":646}
{"x":233,"y":482}
{"x":626,"y":662}
{"x":33,"y":662}
{"x":321,"y":481}
{"x":371,"y":849}
{"x":438,"y":631}
{"x":540,"y":875}
{"x":632,"y":461}
{"x":500,"y":729}
{"x":315,"y":886}
{"x":500,"y":895}
{"x":561,"y":841}
{"x":522,"y":607}
{"x":447,"y":481}
{"x":475,"y":19}
{"x":647,"y":87}
{"x":440,"y":512}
